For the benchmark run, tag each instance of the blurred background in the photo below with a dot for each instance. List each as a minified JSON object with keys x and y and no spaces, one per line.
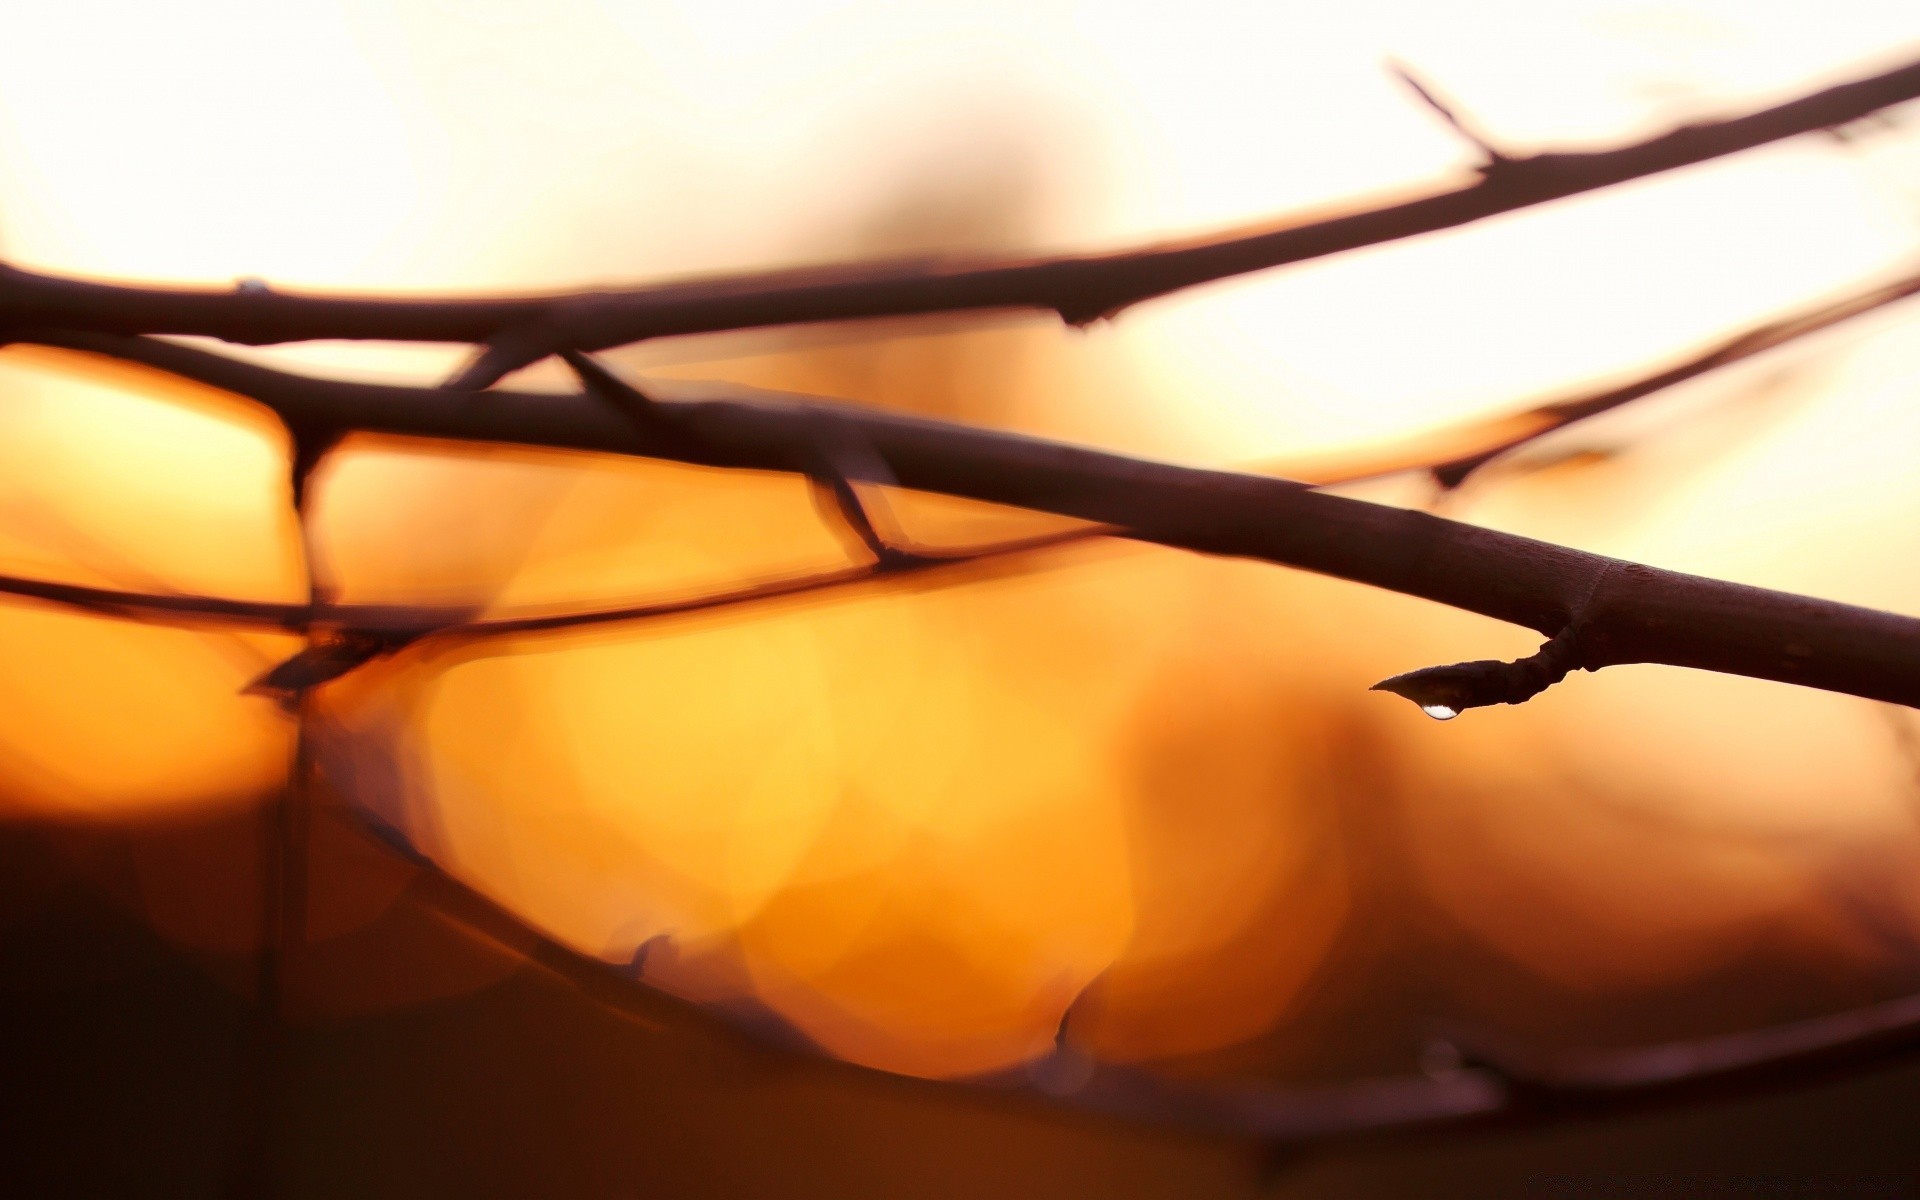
{"x":906,"y":825}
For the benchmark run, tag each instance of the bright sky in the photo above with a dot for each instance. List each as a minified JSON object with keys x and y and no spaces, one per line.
{"x":427,"y":145}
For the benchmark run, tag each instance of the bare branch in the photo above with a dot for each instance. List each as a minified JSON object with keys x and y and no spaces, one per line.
{"x":1627,"y":613}
{"x":517,"y":331}
{"x":211,"y":609}
{"x":1480,"y":1081}
{"x":1549,"y":418}
{"x":1495,"y":436}
{"x":1596,"y":611}
{"x":842,"y":456}
{"x":1501,"y":1083}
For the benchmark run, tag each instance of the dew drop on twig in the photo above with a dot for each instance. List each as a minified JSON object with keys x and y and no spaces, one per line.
{"x":1440,"y":712}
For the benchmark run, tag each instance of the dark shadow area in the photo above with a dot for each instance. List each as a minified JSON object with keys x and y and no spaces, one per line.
{"x":124,"y":1070}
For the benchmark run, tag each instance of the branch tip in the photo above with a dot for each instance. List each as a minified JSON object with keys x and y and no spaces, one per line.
{"x":644,"y":412}
{"x":604,"y":383}
{"x":324,"y":658}
{"x":1443,"y":693}
{"x":1495,"y":156}
{"x":1451,"y":476}
{"x":1086,"y":316}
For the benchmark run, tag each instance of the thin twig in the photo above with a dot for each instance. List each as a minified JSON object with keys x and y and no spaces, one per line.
{"x":1494,"y":156}
{"x":397,"y":625}
{"x":1597,"y":611}
{"x":1628,"y":613}
{"x":1493,"y":438}
{"x":1484,"y":1082}
{"x":517,"y":331}
{"x":1559,"y":414}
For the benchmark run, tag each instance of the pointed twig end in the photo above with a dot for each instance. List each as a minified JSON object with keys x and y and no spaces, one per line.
{"x":1494,"y":155}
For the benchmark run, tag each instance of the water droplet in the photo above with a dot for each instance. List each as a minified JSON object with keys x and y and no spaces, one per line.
{"x":1440,"y":712}
{"x":251,"y":285}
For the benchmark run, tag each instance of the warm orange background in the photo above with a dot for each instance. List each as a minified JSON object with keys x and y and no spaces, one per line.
{"x":917,"y":822}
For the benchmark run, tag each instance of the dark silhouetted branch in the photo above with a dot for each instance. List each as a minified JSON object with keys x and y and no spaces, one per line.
{"x":1595,"y":611}
{"x":1549,"y":418}
{"x":842,"y":458}
{"x":1626,"y":613}
{"x":400,"y":624}
{"x":1491,"y":439}
{"x":1498,"y":1082}
{"x":377,"y":629}
{"x":521,"y":330}
{"x":1481,"y":1081}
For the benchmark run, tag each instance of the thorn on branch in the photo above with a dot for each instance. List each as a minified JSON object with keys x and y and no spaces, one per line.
{"x":1495,"y":157}
{"x":310,"y":445}
{"x":1085,"y":315}
{"x":502,"y":355}
{"x":1443,"y":693}
{"x":839,"y":456}
{"x":393,"y":837}
{"x":842,"y":456}
{"x":326,"y":657}
{"x":1449,"y":476}
{"x":646,"y":414}
{"x":636,"y":965}
{"x":1456,"y":1048}
{"x":1068,"y":1067}
{"x":255,"y":323}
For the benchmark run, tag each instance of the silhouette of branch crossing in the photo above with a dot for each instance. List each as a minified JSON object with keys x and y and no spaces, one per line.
{"x":1493,"y":438}
{"x":1476,"y":1080}
{"x":1627,"y":613}
{"x":1594,"y":611}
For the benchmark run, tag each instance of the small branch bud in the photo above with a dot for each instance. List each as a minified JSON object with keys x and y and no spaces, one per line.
{"x":1445,"y":692}
{"x":646,"y":414}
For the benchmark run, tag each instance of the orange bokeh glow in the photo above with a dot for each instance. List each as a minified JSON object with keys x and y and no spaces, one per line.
{"x":919,"y":821}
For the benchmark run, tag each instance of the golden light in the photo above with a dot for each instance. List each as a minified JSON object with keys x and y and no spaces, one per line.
{"x":917,"y":822}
